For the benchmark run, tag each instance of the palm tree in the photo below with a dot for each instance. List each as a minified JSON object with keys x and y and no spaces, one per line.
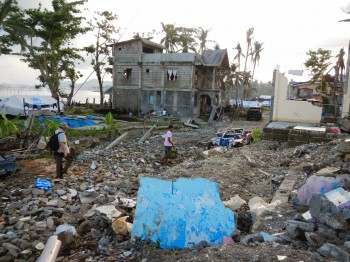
{"x":249,"y":35}
{"x":238,"y":55}
{"x":186,"y":40}
{"x":256,"y":55}
{"x":340,"y":63}
{"x":171,"y":37}
{"x":246,"y":77}
{"x":202,"y":36}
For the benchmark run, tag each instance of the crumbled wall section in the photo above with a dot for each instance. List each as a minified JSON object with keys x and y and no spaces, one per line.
{"x":296,"y":137}
{"x":185,"y":213}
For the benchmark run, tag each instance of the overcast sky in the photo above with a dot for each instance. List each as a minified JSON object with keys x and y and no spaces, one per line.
{"x":288,"y":28}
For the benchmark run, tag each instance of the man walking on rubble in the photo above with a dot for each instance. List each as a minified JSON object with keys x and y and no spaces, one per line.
{"x":63,"y":151}
{"x":168,"y":144}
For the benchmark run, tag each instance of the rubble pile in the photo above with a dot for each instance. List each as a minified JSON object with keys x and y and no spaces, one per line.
{"x":92,"y":212}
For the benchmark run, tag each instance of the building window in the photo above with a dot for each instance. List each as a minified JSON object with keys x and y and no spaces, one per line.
{"x":151,"y":99}
{"x":171,"y":75}
{"x":127,"y":73}
{"x":147,"y":70}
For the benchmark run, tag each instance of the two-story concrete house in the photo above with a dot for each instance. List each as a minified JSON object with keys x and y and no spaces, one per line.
{"x":184,"y":84}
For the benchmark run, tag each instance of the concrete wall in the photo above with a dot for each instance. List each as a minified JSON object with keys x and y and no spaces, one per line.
{"x":296,"y":137}
{"x":290,"y":110}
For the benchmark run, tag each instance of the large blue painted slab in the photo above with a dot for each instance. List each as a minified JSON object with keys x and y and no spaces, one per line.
{"x":181,"y":213}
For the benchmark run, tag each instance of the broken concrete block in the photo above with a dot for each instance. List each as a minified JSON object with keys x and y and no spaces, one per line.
{"x":109,"y":212}
{"x":339,"y":197}
{"x":181,"y":214}
{"x":296,"y":229}
{"x":326,"y":212}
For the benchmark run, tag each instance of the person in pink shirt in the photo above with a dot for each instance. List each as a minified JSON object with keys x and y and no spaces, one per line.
{"x":168,"y":144}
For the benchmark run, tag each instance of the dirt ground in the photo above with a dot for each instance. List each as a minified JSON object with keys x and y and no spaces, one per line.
{"x":253,"y":170}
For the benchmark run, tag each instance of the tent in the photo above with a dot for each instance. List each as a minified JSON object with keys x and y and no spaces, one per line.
{"x":18,"y":104}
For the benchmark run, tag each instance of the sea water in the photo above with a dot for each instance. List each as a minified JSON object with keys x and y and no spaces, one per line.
{"x":82,"y":96}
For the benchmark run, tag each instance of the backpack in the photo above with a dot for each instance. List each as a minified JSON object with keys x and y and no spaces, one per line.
{"x":53,"y":144}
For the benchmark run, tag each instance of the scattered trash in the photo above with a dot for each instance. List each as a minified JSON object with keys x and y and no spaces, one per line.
{"x":64,"y":228}
{"x":42,"y":184}
{"x":318,"y":184}
{"x":234,"y":203}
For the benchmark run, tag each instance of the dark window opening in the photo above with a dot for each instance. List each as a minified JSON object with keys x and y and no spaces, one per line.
{"x":147,"y":70}
{"x":159,"y":93}
{"x":147,"y":50}
{"x":120,"y":49}
{"x":127,"y":73}
{"x":171,"y":75}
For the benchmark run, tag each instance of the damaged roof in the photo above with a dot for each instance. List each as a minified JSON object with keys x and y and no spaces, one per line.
{"x":216,"y":58}
{"x":143,"y":40}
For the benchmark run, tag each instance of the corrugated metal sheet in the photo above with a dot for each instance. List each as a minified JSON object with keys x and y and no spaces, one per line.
{"x":214,"y":57}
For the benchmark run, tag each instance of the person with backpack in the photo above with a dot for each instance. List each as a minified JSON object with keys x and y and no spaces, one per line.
{"x":62,"y":151}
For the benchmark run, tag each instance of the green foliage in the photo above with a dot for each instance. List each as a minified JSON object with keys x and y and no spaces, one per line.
{"x":112,"y":126}
{"x":8,"y":127}
{"x":256,"y":135}
{"x":51,"y":126}
{"x":48,"y":49}
{"x":318,"y":62}
{"x":103,"y":27}
{"x":109,"y":119}
{"x":158,"y":242}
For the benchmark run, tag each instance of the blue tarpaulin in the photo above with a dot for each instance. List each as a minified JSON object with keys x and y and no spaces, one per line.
{"x":72,"y":122}
{"x":182,"y":213}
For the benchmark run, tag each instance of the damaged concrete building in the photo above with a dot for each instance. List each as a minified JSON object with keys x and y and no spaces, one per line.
{"x":183,"y":84}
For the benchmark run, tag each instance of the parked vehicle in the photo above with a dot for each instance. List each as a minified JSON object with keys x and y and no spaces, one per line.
{"x":232,"y":137}
{"x":254,"y":113}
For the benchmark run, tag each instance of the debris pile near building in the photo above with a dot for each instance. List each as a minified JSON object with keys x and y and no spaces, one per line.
{"x":92,"y":213}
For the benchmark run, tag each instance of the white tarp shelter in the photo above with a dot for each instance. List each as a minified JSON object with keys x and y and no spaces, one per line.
{"x":18,"y":104}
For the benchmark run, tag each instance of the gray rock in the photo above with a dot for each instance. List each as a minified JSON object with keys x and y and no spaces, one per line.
{"x":61,"y":192}
{"x":50,"y":223}
{"x":85,"y":227}
{"x":6,"y":258}
{"x":333,"y":251}
{"x":37,"y":192}
{"x":40,"y":226}
{"x":324,"y":211}
{"x":296,"y":229}
{"x":252,"y":238}
{"x":10,"y":247}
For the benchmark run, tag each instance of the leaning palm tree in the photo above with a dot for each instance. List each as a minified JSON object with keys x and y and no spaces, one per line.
{"x":171,"y":37}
